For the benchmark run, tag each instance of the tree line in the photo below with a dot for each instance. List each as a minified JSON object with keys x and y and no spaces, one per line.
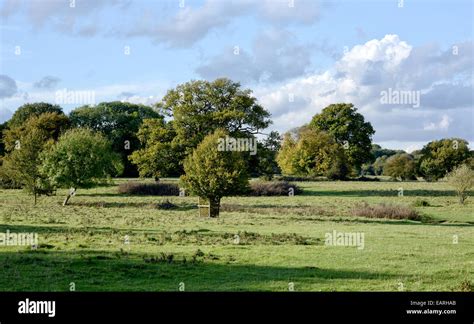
{"x":42,"y":148}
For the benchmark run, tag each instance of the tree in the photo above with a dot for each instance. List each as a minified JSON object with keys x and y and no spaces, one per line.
{"x":264,"y":162}
{"x":160,"y":156}
{"x":212,"y":174}
{"x":119,"y":122}
{"x":199,"y":108}
{"x":80,"y":159}
{"x":22,"y":165}
{"x":51,"y":123}
{"x":378,"y":151}
{"x":379,"y":165}
{"x":312,"y":153}
{"x":349,"y":129}
{"x":462,"y":180}
{"x":400,"y":166}
{"x":440,"y":157}
{"x":23,"y":113}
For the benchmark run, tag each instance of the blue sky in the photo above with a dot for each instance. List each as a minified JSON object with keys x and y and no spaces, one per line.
{"x":316,"y":52}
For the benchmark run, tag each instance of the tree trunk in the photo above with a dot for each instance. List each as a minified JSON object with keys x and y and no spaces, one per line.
{"x":69,"y":195}
{"x":35,"y":197}
{"x":214,"y":206}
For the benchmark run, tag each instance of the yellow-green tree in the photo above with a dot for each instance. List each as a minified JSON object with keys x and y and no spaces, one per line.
{"x":312,"y":153}
{"x":212,"y":174}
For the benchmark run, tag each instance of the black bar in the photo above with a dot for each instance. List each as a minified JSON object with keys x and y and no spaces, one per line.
{"x":288,"y":306}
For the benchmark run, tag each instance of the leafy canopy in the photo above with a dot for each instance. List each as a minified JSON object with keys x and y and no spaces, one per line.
{"x":119,"y":122}
{"x":23,"y":113}
{"x":213,"y":174}
{"x":442,"y":156}
{"x":81,"y":158}
{"x":312,"y":153}
{"x":348,"y":128}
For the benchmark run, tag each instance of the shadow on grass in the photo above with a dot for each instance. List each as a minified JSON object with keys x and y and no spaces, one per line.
{"x":102,"y":271}
{"x":129,"y":204}
{"x":381,"y":193}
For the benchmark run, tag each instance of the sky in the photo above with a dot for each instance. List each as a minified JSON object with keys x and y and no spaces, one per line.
{"x":406,"y":65}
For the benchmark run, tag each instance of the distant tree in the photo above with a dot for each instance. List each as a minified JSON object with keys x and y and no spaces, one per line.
{"x":80,"y":159}
{"x":462,"y":180}
{"x":400,"y":166}
{"x":23,"y":113}
{"x":266,"y":164}
{"x":213,"y":174}
{"x":377,"y":151}
{"x":440,"y":157}
{"x":119,"y":122}
{"x":51,"y":123}
{"x":199,"y":108}
{"x":22,"y":164}
{"x":379,"y":164}
{"x":312,"y":153}
{"x":349,"y":129}
{"x":160,"y":155}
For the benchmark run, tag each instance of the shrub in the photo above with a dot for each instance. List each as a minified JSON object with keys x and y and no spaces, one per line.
{"x":400,"y":166}
{"x":421,"y":203}
{"x":386,"y":211}
{"x":150,"y":189}
{"x":462,"y":180}
{"x":273,"y":188}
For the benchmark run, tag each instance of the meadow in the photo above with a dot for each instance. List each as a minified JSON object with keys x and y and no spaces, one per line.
{"x":106,"y":241}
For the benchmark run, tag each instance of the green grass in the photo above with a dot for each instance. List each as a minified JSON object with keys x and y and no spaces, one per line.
{"x":281,"y":241}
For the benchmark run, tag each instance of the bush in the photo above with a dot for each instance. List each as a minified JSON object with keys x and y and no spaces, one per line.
{"x":421,"y":203}
{"x":386,"y":211}
{"x":273,"y":188}
{"x":462,"y":180}
{"x":150,"y":189}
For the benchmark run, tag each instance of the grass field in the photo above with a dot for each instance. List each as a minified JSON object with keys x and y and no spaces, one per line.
{"x":280,"y":242}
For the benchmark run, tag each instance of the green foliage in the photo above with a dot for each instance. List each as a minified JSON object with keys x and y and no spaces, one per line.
{"x":198,"y":108}
{"x":201,"y":107}
{"x":348,"y":127}
{"x":378,"y":151}
{"x":160,"y":155}
{"x":462,"y":180}
{"x":313,"y":153}
{"x":52,"y":124}
{"x":442,"y":156}
{"x":264,"y":163}
{"x":22,"y":165}
{"x":400,"y":166}
{"x":23,"y":113}
{"x":119,"y":122}
{"x":80,"y":159}
{"x":213,"y":174}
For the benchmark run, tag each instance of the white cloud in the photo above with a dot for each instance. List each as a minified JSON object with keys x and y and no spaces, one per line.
{"x":274,"y":56}
{"x":443,"y":124}
{"x":443,"y":80}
